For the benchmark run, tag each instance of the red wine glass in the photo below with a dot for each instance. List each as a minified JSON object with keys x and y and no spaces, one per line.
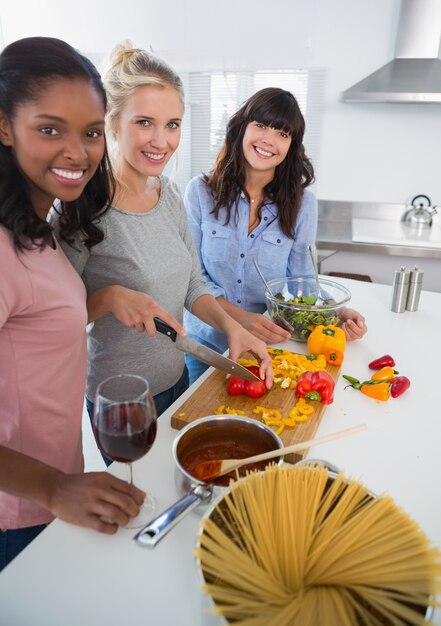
{"x":125,"y":427}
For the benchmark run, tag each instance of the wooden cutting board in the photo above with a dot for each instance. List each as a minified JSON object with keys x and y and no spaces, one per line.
{"x":212,"y":393}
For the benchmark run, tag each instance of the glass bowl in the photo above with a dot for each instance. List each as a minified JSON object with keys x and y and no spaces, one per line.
{"x":292,"y":304}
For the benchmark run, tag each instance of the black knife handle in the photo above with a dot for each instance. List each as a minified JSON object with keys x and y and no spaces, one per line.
{"x":165,"y":329}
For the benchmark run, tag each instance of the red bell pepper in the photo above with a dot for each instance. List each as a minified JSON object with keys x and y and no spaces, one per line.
{"x":316,"y":386}
{"x":399,"y":385}
{"x":382,"y":361}
{"x":237,"y":386}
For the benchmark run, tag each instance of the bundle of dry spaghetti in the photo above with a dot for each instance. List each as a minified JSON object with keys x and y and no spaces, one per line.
{"x":292,"y":546}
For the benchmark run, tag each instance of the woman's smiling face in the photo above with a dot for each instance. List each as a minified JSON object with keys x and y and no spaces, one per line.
{"x":148,"y":130}
{"x":264,"y":147}
{"x":57,"y":140}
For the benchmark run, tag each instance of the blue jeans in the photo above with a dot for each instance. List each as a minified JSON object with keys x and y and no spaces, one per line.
{"x":195,"y":367}
{"x":162,"y":401}
{"x":166,"y":398}
{"x":12,"y":542}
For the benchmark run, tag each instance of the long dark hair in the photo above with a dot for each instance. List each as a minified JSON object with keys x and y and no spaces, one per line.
{"x":278,"y":109}
{"x":27,"y":67}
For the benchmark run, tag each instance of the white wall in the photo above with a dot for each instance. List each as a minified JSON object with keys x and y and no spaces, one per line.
{"x":369,"y":152}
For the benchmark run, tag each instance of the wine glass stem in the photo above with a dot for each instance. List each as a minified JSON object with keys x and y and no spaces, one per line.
{"x":130,"y":470}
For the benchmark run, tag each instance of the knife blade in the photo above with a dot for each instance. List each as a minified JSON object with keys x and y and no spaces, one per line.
{"x":203,"y":353}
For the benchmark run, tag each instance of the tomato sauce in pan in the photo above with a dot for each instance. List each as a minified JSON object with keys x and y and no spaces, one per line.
{"x":222,"y":451}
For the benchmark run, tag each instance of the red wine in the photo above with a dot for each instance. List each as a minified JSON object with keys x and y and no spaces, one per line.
{"x":124,"y":432}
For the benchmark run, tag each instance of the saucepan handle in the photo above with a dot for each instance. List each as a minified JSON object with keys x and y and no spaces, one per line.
{"x":155,"y":530}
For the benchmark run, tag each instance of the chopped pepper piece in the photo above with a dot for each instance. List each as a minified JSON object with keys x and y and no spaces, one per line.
{"x":273,"y":417}
{"x":300,"y":417}
{"x":225,"y":410}
{"x":301,"y":411}
{"x":267,"y":413}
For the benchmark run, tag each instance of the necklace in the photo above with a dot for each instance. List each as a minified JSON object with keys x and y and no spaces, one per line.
{"x":257,"y":200}
{"x":254,"y":220}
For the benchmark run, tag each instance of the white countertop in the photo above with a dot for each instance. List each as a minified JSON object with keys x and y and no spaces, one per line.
{"x":71,"y":576}
{"x":392,"y":232}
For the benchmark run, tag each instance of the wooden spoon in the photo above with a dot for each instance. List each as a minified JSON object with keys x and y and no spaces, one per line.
{"x":207,"y":471}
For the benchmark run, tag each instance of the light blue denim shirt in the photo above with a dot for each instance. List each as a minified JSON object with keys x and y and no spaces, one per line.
{"x":226,"y":253}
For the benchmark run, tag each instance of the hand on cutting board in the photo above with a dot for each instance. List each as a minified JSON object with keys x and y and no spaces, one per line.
{"x":240,"y":341}
{"x":353,"y":324}
{"x":134,"y":309}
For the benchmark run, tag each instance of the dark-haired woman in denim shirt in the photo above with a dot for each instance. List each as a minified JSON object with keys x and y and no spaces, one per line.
{"x":254,"y":205}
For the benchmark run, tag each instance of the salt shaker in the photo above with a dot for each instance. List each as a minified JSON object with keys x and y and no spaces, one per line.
{"x":401,"y":289}
{"x":415,"y":286}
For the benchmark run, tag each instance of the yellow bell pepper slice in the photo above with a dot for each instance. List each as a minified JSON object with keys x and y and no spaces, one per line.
{"x":225,"y":410}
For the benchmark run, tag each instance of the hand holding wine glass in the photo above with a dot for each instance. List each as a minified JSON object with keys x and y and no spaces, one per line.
{"x":125,"y":427}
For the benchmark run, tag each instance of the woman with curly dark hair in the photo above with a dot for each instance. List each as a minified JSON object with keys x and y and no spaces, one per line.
{"x":52,"y":146}
{"x":255,"y":205}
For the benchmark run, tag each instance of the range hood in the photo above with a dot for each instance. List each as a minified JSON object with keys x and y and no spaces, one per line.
{"x":414,"y":75}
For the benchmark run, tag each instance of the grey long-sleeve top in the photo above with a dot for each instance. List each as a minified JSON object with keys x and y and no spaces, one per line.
{"x":151,"y":252}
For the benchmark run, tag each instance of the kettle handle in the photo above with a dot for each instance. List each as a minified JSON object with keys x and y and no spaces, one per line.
{"x":421,"y":195}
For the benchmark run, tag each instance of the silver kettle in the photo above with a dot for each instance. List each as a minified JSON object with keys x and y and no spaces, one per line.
{"x":419,"y":215}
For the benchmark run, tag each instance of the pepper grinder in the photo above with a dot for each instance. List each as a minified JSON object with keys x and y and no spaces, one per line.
{"x":401,"y":289}
{"x":415,"y":286}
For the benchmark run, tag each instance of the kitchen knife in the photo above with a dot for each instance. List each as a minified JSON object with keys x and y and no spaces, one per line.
{"x":201,"y":352}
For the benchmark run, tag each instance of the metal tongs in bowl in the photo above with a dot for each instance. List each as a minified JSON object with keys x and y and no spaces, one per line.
{"x":320,"y":299}
{"x":278,"y":319}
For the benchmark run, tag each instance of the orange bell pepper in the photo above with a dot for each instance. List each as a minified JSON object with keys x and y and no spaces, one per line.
{"x":378,"y":390}
{"x":386,"y":373}
{"x":334,"y":357}
{"x":325,"y":338}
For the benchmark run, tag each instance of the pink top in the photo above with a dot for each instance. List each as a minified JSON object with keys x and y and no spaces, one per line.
{"x":42,"y":366}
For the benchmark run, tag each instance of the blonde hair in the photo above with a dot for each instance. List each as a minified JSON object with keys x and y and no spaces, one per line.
{"x":129,"y":69}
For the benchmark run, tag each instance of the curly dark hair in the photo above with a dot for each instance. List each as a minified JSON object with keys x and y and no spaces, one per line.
{"x":277,"y":109}
{"x":27,"y":67}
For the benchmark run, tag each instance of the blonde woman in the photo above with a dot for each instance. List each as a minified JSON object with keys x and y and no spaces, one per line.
{"x":146,"y":266}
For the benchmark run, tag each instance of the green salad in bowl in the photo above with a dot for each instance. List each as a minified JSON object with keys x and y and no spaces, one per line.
{"x":294,"y":304}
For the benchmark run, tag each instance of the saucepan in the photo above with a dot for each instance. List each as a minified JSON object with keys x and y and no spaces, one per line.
{"x":232,"y":436}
